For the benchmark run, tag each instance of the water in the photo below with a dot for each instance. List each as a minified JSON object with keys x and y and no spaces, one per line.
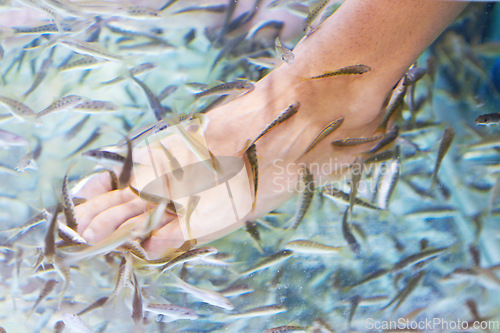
{"x":306,"y":288}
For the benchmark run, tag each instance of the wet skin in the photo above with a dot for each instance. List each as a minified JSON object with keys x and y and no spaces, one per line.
{"x":386,"y":38}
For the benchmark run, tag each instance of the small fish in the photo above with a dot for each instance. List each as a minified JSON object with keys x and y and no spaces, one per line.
{"x":123,"y":277}
{"x":417,"y":258}
{"x":413,"y":75}
{"x":251,"y":154}
{"x":367,"y":301}
{"x":142,"y":12}
{"x":140,"y":69}
{"x":8,"y":139}
{"x":63,"y":104}
{"x":174,"y":312}
{"x":228,"y":48}
{"x":201,"y":151}
{"x":17,"y":109}
{"x":283,"y":53}
{"x":176,"y":167}
{"x":97,"y":304}
{"x":135,"y":248}
{"x":205,"y":295}
{"x":41,"y":74}
{"x":244,"y":18}
{"x":137,"y":307}
{"x":306,"y":197}
{"x":69,"y":235}
{"x":471,"y":304}
{"x":260,"y":311}
{"x":113,"y":180}
{"x":49,"y":250}
{"x":73,"y":131}
{"x":279,"y":3}
{"x":154,"y":47}
{"x":28,"y":161}
{"x":349,"y":142}
{"x":210,"y":9}
{"x":172,"y":207}
{"x":93,"y":137}
{"x":388,"y":138}
{"x":411,"y":260}
{"x":219,"y":39}
{"x":86,"y":48}
{"x":356,"y":175}
{"x":95,"y":106}
{"x":488,"y":119}
{"x":153,"y":221}
{"x":85,"y":63}
{"x":315,"y":8}
{"x":154,"y":103}
{"x":105,"y":157}
{"x":387,"y":183}
{"x":69,"y":206}
{"x":286,"y":328}
{"x":47,"y":288}
{"x":264,"y":62}
{"x":126,"y":172}
{"x":445,"y":144}
{"x":354,"y":305}
{"x":239,"y":86}
{"x":32,"y":222}
{"x":406,"y":291}
{"x":396,"y":101}
{"x":331,"y":192}
{"x":41,"y":29}
{"x":236,"y":290}
{"x":63,"y":270}
{"x":169,"y":90}
{"x":348,"y":70}
{"x":288,"y":113}
{"x":191,"y":206}
{"x":347,"y":233}
{"x":432,"y":213}
{"x":269,"y":261}
{"x":253,"y":231}
{"x":324,"y":133}
{"x":306,"y":246}
{"x":188,"y":256}
{"x":17,"y":60}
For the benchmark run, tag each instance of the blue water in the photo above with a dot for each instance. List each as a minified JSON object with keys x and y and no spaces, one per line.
{"x":310,"y":288}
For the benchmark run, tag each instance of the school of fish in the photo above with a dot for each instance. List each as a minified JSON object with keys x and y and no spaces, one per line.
{"x":411,"y":232}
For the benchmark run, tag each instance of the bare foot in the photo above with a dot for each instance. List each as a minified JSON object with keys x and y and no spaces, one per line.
{"x":382,"y":38}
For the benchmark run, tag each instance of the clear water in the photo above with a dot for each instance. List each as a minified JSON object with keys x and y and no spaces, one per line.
{"x":308,"y":288}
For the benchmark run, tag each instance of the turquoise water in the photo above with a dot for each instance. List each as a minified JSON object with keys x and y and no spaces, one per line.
{"x":306,"y":289}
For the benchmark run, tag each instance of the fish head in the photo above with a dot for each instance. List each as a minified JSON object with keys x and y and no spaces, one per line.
{"x":483,"y":120}
{"x":91,"y":154}
{"x":244,"y":86}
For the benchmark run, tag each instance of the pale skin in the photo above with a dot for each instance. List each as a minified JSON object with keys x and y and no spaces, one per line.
{"x":386,"y":35}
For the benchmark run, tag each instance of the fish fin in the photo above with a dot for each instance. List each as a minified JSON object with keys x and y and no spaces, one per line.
{"x":247,"y":144}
